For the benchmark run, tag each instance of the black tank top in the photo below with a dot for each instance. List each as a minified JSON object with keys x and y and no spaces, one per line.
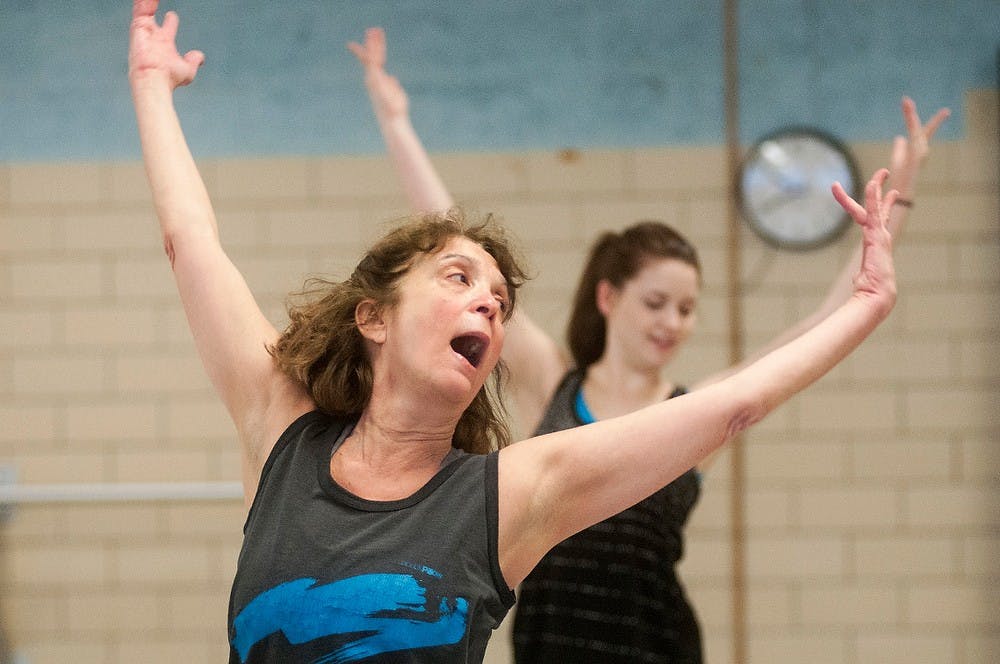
{"x":610,"y":594}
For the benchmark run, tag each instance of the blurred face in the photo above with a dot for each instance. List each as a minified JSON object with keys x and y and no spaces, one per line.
{"x":652,"y":314}
{"x":445,"y":334}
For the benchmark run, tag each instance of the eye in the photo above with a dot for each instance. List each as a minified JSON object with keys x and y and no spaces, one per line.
{"x":503,"y":303}
{"x":654,"y":305}
{"x":459,"y":277}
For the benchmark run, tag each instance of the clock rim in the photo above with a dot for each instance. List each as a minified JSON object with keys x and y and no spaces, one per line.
{"x":762,"y":230}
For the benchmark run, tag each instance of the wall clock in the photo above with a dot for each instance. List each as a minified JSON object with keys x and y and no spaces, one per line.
{"x":784,"y":187}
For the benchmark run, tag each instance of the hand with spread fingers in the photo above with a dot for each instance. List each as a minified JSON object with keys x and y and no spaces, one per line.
{"x":153,"y":50}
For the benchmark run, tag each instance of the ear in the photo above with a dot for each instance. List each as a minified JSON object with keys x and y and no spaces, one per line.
{"x":605,"y":297}
{"x":368,"y":317}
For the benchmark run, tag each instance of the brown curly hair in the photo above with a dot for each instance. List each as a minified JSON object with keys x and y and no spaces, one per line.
{"x":323,"y":349}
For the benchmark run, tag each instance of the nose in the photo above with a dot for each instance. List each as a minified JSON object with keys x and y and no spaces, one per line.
{"x":486,"y":304}
{"x":671,"y":318}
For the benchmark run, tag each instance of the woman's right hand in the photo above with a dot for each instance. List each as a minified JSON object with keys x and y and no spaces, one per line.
{"x":387,"y":95}
{"x":152,"y":49}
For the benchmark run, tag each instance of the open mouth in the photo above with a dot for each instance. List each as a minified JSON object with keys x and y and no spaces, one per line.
{"x":471,"y":347}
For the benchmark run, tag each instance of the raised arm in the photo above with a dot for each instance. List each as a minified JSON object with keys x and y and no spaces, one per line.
{"x":424,"y":189}
{"x":535,"y":360}
{"x":229,"y":329}
{"x":908,"y":155}
{"x":558,"y":484}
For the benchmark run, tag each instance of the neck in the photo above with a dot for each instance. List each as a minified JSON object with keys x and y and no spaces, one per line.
{"x":615,"y":388}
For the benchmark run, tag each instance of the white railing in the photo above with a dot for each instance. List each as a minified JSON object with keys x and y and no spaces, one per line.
{"x":116,"y":492}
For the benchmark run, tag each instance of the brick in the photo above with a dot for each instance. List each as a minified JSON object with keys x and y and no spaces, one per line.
{"x":980,"y":458}
{"x":331,"y":229}
{"x":619,"y":212}
{"x":162,"y":466}
{"x":199,"y":419}
{"x":193,"y":610}
{"x":953,"y":604}
{"x":277,"y":276}
{"x":26,"y":424}
{"x":804,"y":459}
{"x":981,"y":555}
{"x":978,"y":262}
{"x":707,"y":557}
{"x":770,"y":606}
{"x":972,"y":409}
{"x":870,"y":409}
{"x":29,"y":233}
{"x":206,"y":518}
{"x":784,"y":646}
{"x":116,"y":421}
{"x":890,"y":646}
{"x":176,"y":372}
{"x":65,"y":648}
{"x":164,"y":650}
{"x":960,"y":310}
{"x":76,"y":566}
{"x":848,"y":604}
{"x":883,"y":358}
{"x":482,"y":174}
{"x":31,"y":613}
{"x":922,"y":261}
{"x":557,"y":222}
{"x":52,"y":375}
{"x":112,"y":520}
{"x":951,"y":506}
{"x":979,"y":359}
{"x":982,"y":648}
{"x":849,"y":506}
{"x":55,"y":184}
{"x":34,"y":522}
{"x":118,"y":326}
{"x":358,"y":177}
{"x":575,"y":171}
{"x":61,"y":466}
{"x":792,"y":557}
{"x":145,"y":279}
{"x":127,"y":183}
{"x":243,"y":226}
{"x":125,"y":231}
{"x":51,"y":279}
{"x":113,"y":612}
{"x":161,"y":565}
{"x":265,"y":179}
{"x":688,"y":168}
{"x":910,"y":459}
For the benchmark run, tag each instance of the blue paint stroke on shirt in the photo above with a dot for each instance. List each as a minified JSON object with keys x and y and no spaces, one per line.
{"x":381,"y":613}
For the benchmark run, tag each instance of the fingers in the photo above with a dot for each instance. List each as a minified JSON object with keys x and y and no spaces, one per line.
{"x":372,"y":53}
{"x":358,"y":50}
{"x":144,"y":8}
{"x":850,"y":206}
{"x":170,"y":23}
{"x":195,"y":58}
{"x":875,"y":204}
{"x":936,"y":121}
{"x":899,"y":152}
{"x":915,"y":127}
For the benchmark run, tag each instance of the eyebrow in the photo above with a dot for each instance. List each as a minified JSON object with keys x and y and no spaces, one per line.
{"x":476,"y":262}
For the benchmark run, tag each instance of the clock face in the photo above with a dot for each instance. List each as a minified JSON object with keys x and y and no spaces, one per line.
{"x":785,"y":184}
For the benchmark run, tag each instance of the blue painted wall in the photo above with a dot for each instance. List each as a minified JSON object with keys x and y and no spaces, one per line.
{"x":485,"y":75}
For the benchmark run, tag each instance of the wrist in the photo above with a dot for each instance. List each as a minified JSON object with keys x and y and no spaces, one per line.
{"x":152,"y":80}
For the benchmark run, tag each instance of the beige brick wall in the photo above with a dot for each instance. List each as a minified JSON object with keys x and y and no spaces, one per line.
{"x":872,"y":500}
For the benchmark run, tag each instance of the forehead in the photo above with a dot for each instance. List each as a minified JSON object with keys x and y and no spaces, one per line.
{"x":465,"y":250}
{"x":667,"y":274}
